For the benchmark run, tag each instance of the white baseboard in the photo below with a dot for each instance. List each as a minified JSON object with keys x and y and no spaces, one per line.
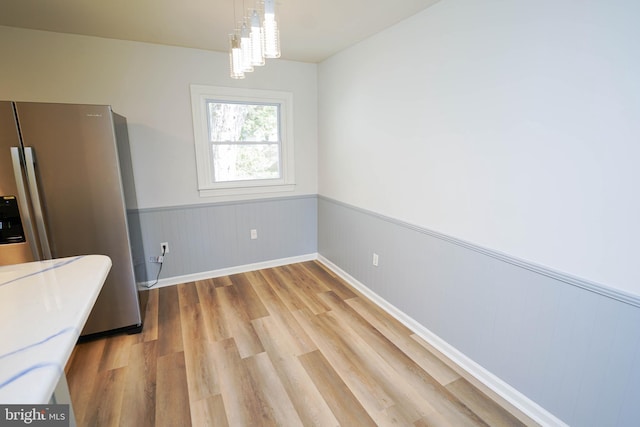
{"x":501,"y":388}
{"x":170,"y":281}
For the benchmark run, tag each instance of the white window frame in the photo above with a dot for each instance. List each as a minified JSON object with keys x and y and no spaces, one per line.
{"x":200,"y":95}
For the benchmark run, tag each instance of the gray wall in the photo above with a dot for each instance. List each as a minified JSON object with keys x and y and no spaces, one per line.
{"x":210,"y":237}
{"x":571,"y":346}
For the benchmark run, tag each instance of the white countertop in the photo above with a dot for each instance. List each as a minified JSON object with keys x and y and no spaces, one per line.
{"x":43,"y":308}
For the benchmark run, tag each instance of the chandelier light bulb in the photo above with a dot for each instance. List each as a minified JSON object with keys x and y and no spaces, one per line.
{"x":257,"y":40}
{"x":271,"y":33}
{"x":245,"y":46}
{"x":235,"y":58}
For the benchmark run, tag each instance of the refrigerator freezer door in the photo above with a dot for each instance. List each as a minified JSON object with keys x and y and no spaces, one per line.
{"x":78,"y":178}
{"x":13,"y":253}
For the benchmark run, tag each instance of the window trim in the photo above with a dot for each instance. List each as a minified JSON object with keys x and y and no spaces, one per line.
{"x":200,"y":95}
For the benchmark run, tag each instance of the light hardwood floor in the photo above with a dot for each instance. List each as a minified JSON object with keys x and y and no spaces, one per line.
{"x":286,"y":346}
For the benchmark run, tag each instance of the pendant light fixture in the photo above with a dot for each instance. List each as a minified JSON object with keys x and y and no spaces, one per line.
{"x":245,"y":46}
{"x":271,"y":33}
{"x":235,"y":57}
{"x":257,"y":37}
{"x":257,"y":40}
{"x":236,"y":66}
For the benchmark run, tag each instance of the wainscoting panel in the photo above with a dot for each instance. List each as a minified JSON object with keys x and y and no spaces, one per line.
{"x":217,"y":236}
{"x":569,"y":346}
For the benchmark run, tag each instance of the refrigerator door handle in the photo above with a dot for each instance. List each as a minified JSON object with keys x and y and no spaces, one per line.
{"x":35,"y":201}
{"x":23,"y":203}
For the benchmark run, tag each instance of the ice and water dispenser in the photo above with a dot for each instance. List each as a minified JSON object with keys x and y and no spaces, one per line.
{"x":10,"y":225}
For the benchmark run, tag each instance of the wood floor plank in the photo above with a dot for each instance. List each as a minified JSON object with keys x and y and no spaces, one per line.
{"x":285,"y":322}
{"x":252,"y":304}
{"x":82,"y":372}
{"x":188,"y":293}
{"x":511,"y":409}
{"x":306,"y":293}
{"x":106,"y":397}
{"x":238,"y":322}
{"x":346,"y":408}
{"x":277,"y":408}
{"x":400,"y":336}
{"x":415,"y":378}
{"x":304,"y":280}
{"x":330,"y":279}
{"x":397,"y":415}
{"x":116,"y":351}
{"x":209,"y":412}
{"x":172,"y":393}
{"x":480,"y":404}
{"x":139,"y":398}
{"x":192,"y":322}
{"x":283,"y":351}
{"x":284,"y":291}
{"x":222,"y":281}
{"x":396,"y":404}
{"x":335,"y":349}
{"x":421,"y":423}
{"x":211,"y":307}
{"x":409,"y":397}
{"x":150,"y":329}
{"x":242,"y":406}
{"x":169,"y":328}
{"x":201,"y":376}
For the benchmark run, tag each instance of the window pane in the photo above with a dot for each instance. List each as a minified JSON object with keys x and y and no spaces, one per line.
{"x":243,"y":140}
{"x":237,"y":162}
{"x":243,"y":122}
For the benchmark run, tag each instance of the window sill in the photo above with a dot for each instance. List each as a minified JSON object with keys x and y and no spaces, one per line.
{"x":242,"y":191}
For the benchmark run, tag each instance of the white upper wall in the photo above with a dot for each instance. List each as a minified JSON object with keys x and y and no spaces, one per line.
{"x":512,"y":125}
{"x":149,"y":84}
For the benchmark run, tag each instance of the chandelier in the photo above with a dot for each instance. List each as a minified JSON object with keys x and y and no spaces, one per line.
{"x":255,"y":38}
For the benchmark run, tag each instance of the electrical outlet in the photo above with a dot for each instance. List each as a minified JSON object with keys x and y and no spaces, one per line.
{"x":164,"y":248}
{"x":254,"y":234}
{"x":375,"y":259}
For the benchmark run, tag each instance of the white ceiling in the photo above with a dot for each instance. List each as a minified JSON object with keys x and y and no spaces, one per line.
{"x":310,"y":30}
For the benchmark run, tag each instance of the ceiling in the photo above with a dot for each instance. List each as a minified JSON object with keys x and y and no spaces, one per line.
{"x":310,"y":30}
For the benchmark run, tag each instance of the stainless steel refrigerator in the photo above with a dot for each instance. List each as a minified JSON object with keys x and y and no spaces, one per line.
{"x":62,"y":194}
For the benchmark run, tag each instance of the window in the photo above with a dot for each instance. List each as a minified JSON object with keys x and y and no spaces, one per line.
{"x":243,"y":140}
